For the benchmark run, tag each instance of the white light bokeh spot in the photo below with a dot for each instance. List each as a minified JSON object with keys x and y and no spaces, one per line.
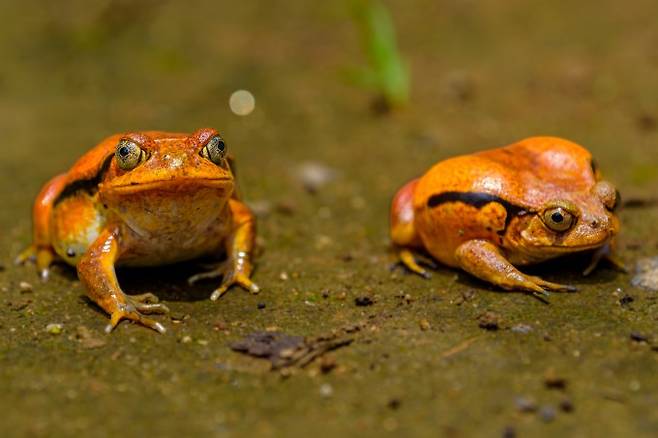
{"x":242,"y":102}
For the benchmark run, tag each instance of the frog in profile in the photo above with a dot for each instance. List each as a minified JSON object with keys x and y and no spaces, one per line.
{"x":492,"y":211}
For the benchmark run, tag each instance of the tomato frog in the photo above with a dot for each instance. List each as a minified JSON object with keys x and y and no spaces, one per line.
{"x":144,"y":199}
{"x":492,"y":211}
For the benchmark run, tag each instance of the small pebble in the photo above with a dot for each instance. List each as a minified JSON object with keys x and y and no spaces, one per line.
{"x":314,"y":175}
{"x":363,"y":301}
{"x":489,"y":321}
{"x":647,"y":274}
{"x":566,"y":405}
{"x":553,"y":381}
{"x":394,"y":404}
{"x":524,"y":404}
{"x":54,"y":328}
{"x":509,"y":432}
{"x":286,"y":207}
{"x":261,"y":306}
{"x":326,"y":390}
{"x":638,"y":337}
{"x":178,"y":317}
{"x":327,"y":363}
{"x":186,"y":339}
{"x":626,"y":300}
{"x":87,"y":338}
{"x":284,"y":276}
{"x":424,"y":325}
{"x":522,"y":328}
{"x":25,"y":287}
{"x":547,"y":413}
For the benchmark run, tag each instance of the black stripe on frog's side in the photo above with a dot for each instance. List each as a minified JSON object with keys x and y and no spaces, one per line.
{"x":477,"y":200}
{"x":87,"y":185}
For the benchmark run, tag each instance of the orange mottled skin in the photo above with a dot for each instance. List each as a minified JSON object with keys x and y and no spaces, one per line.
{"x":174,"y":203}
{"x":491,"y":211}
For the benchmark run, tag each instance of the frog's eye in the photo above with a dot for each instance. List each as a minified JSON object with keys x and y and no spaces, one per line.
{"x":129,"y":155}
{"x":558,"y":219}
{"x":214,"y":150}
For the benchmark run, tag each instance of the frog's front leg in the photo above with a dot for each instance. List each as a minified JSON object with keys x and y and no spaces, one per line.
{"x":96,"y":272}
{"x":485,"y":261}
{"x":239,"y":248}
{"x":606,"y":252}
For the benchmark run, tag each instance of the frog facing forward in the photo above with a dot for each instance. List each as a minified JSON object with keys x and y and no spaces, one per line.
{"x":144,"y":199}
{"x":491,"y":211}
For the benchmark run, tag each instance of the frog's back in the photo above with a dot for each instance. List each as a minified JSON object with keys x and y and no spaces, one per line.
{"x":526,"y":174}
{"x":476,"y":196}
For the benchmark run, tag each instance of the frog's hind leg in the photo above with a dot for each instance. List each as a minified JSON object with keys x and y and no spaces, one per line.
{"x":96,"y":272}
{"x":41,"y":250}
{"x":403,"y":232}
{"x":484,"y":260}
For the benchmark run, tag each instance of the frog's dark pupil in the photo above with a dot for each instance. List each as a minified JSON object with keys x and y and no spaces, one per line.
{"x":557,"y":217}
{"x":220,"y":146}
{"x":124,"y":151}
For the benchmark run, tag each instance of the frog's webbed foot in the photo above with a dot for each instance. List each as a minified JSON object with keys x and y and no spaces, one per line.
{"x":411,"y":261}
{"x":233,"y":273}
{"x":43,"y":257}
{"x":134,"y":309}
{"x":234,"y":278}
{"x":605,"y":253}
{"x":485,"y":261}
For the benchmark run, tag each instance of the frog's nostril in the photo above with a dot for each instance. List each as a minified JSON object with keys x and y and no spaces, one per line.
{"x":595,"y":223}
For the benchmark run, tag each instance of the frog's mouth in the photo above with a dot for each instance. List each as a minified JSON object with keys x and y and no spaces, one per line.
{"x":172,"y":185}
{"x":576,"y":248}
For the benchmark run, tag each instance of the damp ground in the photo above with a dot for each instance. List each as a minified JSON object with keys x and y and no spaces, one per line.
{"x":448,"y":356}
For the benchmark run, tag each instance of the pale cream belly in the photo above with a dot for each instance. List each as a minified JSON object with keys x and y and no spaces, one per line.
{"x":174,"y":245}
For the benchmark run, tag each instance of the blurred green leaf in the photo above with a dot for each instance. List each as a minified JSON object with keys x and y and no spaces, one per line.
{"x":386,"y":73}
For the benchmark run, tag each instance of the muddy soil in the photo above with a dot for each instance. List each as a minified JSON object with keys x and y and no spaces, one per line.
{"x":448,"y":356}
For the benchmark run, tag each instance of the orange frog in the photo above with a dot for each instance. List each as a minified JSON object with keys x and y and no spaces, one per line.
{"x":490,"y":211}
{"x":144,"y":199}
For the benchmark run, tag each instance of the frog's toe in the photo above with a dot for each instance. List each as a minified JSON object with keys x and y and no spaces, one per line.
{"x":147,"y":303}
{"x":149,"y":309}
{"x":133,"y":315}
{"x":214,"y":273}
{"x":146,"y":298}
{"x":235,"y":279}
{"x":42,"y":257}
{"x":408,"y":259}
{"x":29,"y":254}
{"x":553,"y":287}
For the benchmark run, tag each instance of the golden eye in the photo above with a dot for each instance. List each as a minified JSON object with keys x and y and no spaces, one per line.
{"x":129,"y":155}
{"x":558,"y":219}
{"x":214,"y":150}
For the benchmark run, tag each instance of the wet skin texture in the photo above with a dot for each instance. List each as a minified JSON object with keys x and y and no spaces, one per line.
{"x":144,"y":199}
{"x":488,"y":212}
